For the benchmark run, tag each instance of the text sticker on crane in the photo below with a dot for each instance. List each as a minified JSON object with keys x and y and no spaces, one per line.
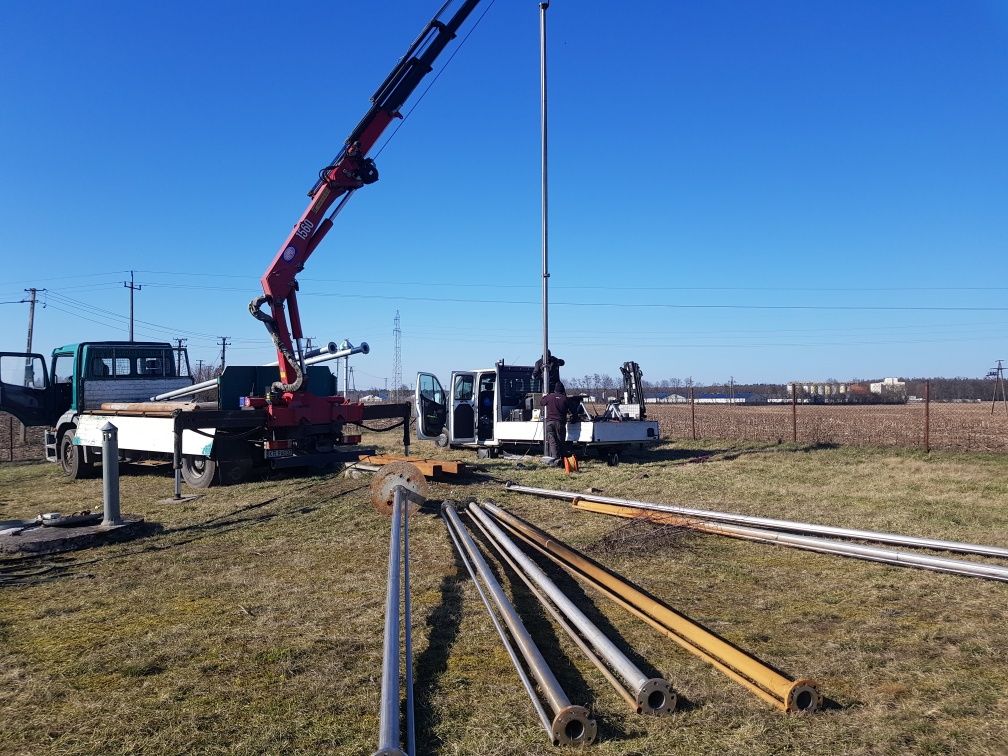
{"x":289,"y":253}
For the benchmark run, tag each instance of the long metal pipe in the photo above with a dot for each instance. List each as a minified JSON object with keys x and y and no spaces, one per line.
{"x":388,"y":712}
{"x":212,"y":383}
{"x":745,"y":669}
{"x":558,"y":617}
{"x":570,"y":724}
{"x":806,"y":543}
{"x":407,"y":626}
{"x":544,"y":141}
{"x":772,"y":524}
{"x":653,"y":694}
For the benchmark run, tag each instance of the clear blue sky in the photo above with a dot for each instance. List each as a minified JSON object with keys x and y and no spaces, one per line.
{"x":709,"y":160}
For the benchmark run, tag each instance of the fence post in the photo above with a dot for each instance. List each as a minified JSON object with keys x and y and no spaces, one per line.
{"x":692,"y":409}
{"x":927,"y":417}
{"x":110,"y":475}
{"x":10,"y":437}
{"x":794,"y":413}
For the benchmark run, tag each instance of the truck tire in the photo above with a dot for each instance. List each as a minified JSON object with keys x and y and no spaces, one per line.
{"x":198,"y":472}
{"x":71,"y":458}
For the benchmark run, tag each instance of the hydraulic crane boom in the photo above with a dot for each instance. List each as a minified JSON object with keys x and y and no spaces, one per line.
{"x":349,"y":171}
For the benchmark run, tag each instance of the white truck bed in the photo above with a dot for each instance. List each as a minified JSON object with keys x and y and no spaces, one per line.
{"x":588,"y":433}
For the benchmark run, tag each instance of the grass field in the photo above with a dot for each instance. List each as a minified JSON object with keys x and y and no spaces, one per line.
{"x":251,"y":622}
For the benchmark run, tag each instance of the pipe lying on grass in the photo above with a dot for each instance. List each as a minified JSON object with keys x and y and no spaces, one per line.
{"x":806,"y":543}
{"x":789,"y":695}
{"x":569,"y":725}
{"x":388,"y":712}
{"x":772,"y":524}
{"x":652,"y":695}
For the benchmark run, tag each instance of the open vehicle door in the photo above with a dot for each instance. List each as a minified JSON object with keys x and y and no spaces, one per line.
{"x":431,"y":406}
{"x":462,"y":425}
{"x":25,"y":392}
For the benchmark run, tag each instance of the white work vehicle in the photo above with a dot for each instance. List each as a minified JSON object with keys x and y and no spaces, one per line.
{"x":497,"y":409}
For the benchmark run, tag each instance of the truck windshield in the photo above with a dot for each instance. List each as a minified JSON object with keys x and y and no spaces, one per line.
{"x":109,"y":363}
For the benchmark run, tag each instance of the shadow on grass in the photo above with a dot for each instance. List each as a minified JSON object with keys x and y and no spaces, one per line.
{"x":443,"y":624}
{"x":31,"y":570}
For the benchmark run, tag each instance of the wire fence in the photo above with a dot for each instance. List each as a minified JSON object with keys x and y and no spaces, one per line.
{"x":20,"y":444}
{"x":926,"y":425}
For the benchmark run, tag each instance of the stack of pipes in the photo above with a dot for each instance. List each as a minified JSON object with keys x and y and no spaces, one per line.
{"x":790,"y":533}
{"x":790,"y":695}
{"x":565,"y":724}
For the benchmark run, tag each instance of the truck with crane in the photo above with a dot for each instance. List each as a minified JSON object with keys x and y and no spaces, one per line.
{"x":497,"y":409}
{"x":289,"y":415}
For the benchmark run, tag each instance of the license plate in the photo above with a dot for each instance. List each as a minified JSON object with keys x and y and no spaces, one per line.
{"x":278,"y":453}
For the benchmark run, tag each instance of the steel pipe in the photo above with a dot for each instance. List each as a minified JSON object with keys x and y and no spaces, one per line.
{"x":619,"y":687}
{"x":570,"y":724}
{"x":324,"y":356}
{"x":388,"y":712}
{"x":805,"y":543}
{"x":653,"y":694}
{"x":772,"y":524}
{"x":801,"y":695}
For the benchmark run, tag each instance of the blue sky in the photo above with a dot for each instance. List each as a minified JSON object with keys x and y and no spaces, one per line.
{"x":764,"y":191}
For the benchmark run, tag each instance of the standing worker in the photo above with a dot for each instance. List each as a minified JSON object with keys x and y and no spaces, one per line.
{"x":555,"y":425}
{"x":555,"y":363}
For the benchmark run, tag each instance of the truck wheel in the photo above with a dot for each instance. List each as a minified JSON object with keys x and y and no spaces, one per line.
{"x":72,"y":458}
{"x":198,"y":472}
{"x":613,"y":459}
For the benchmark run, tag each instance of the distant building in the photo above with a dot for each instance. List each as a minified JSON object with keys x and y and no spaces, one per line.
{"x":739,"y":397}
{"x":890,"y":389}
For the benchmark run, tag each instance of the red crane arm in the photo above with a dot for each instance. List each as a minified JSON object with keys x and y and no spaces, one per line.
{"x":349,"y":171}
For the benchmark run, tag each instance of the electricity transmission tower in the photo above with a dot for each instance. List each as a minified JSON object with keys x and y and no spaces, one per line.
{"x":997,"y":373}
{"x":397,"y":360}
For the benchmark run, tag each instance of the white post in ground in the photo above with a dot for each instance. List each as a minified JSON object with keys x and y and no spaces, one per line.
{"x":110,"y":475}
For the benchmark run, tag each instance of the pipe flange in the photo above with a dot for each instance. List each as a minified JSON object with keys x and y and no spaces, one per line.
{"x":656,"y":698}
{"x":573,"y":726}
{"x":392,"y":476}
{"x":803,"y":697}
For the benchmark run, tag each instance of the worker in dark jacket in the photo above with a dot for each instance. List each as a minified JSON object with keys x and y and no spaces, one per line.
{"x":555,"y":363}
{"x":555,"y":426}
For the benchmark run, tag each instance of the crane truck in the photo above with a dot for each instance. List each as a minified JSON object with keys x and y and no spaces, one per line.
{"x":283,"y":416}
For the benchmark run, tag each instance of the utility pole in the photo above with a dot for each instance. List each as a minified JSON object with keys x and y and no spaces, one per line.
{"x":397,"y":359}
{"x":29,"y":372}
{"x":179,"y":345}
{"x":132,"y":287}
{"x":223,"y":341}
{"x":997,"y":373}
{"x":199,"y":371}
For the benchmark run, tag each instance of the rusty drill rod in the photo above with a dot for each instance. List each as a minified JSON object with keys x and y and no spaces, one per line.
{"x":772,"y":524}
{"x":571,"y":724}
{"x":806,"y":543}
{"x":555,"y":613}
{"x":760,"y":678}
{"x":653,"y":695}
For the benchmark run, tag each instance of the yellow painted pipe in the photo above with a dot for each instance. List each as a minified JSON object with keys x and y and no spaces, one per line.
{"x":801,"y":695}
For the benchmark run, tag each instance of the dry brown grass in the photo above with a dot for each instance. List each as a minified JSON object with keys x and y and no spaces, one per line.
{"x":252,"y":622}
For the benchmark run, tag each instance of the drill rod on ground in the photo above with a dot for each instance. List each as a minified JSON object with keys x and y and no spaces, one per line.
{"x":805,"y":543}
{"x":388,"y":717}
{"x":745,"y":669}
{"x":653,"y":695}
{"x":570,"y":724}
{"x":772,"y":524}
{"x":619,"y":687}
